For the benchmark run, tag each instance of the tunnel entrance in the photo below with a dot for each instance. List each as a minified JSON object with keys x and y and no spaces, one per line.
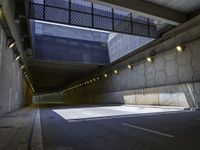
{"x":99,"y":75}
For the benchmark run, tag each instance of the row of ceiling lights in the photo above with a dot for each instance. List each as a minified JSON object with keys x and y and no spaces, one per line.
{"x":12,"y":45}
{"x":179,"y":48}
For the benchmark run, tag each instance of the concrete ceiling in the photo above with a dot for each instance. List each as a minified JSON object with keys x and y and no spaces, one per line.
{"x":146,"y":9}
{"x":171,"y":12}
{"x":51,"y":76}
{"x":183,"y":6}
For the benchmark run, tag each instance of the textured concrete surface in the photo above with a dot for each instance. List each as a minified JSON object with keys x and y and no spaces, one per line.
{"x":21,"y":130}
{"x":120,"y":45}
{"x":49,"y":48}
{"x":65,"y":31}
{"x":181,"y":96}
{"x":14,"y":90}
{"x":171,"y":79}
{"x":174,"y":131}
{"x":62,"y":43}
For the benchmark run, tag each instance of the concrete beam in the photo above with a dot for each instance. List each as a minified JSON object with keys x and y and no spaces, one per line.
{"x":146,"y":9}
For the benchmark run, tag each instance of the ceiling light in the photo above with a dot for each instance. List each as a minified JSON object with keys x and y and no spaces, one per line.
{"x":179,"y":48}
{"x":90,"y":81}
{"x":105,"y":75}
{"x":149,"y":59}
{"x":94,"y":79}
{"x":22,"y":66}
{"x":130,"y":66}
{"x":11,"y":44}
{"x":116,"y":72}
{"x":18,"y":57}
{"x":98,"y":78}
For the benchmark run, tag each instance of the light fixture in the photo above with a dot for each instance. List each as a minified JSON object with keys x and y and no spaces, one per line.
{"x":180,"y":48}
{"x":149,"y":59}
{"x":105,"y":75}
{"x":18,"y":57}
{"x":11,"y":44}
{"x":94,"y":79}
{"x":90,"y":81}
{"x":116,"y":71}
{"x":130,"y":66}
{"x":22,"y":67}
{"x":98,"y":78}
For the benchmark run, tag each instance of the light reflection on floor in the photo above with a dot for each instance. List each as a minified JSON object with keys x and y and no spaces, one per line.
{"x":96,"y":113}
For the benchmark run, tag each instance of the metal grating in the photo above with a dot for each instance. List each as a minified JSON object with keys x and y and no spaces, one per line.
{"x":86,"y":14}
{"x":62,"y":15}
{"x":59,"y":4}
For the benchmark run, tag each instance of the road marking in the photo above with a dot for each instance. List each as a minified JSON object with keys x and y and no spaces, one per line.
{"x":148,"y":130}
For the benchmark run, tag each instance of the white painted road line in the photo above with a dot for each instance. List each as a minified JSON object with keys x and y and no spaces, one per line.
{"x":148,"y":130}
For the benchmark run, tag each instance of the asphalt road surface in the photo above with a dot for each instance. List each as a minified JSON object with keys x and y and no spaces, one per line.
{"x":119,"y":128}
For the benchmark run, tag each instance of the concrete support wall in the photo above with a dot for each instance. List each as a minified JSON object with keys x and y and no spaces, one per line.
{"x":13,"y":87}
{"x":172,"y":79}
{"x":120,"y":44}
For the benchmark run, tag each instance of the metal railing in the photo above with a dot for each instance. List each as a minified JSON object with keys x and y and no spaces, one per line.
{"x":86,"y":14}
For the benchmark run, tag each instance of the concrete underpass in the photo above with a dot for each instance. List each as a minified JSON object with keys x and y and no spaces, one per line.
{"x":99,"y":75}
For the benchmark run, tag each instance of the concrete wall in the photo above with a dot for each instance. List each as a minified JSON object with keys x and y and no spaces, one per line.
{"x":13,"y":86}
{"x":50,"y":48}
{"x":63,"y":31}
{"x":120,"y":44}
{"x":9,"y":11}
{"x":172,"y":79}
{"x":49,"y":98}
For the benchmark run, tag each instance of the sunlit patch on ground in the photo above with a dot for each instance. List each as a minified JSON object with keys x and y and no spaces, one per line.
{"x":91,"y":113}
